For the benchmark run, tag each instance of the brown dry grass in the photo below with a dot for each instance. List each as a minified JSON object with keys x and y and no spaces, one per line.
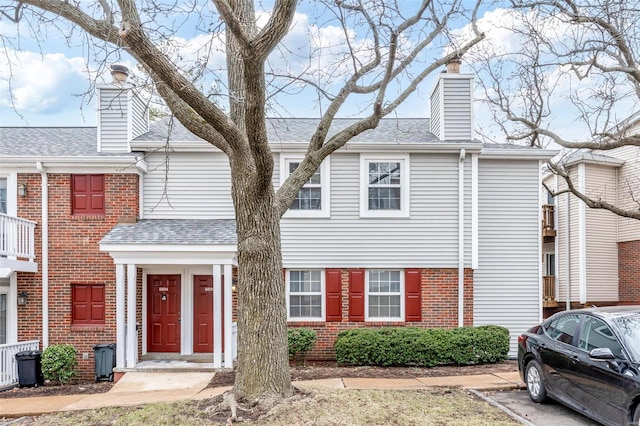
{"x":321,"y":407}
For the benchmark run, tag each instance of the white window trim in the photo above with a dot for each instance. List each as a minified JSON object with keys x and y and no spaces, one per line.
{"x":323,"y":296}
{"x":325,"y":186}
{"x":366,"y":297}
{"x":365,"y":159}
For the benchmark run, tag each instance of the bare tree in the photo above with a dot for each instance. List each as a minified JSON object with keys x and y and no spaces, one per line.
{"x":386,"y":59}
{"x":572,"y":80}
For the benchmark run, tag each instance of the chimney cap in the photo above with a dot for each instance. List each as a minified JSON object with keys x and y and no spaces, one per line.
{"x":453,"y":66}
{"x":120,"y":73}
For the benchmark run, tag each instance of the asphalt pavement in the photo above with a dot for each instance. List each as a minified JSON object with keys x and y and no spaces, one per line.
{"x":549,"y":413}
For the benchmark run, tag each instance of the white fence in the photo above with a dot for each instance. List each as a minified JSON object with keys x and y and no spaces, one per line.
{"x":8,"y":364}
{"x":17,"y":237}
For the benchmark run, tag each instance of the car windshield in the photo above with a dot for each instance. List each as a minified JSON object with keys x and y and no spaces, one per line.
{"x":629,"y":325}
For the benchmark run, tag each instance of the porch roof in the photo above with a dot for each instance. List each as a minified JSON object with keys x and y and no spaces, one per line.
{"x":173,"y":232}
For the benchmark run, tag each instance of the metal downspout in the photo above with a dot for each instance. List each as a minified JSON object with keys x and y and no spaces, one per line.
{"x":45,"y":253}
{"x":567,"y":236}
{"x":461,"y":238}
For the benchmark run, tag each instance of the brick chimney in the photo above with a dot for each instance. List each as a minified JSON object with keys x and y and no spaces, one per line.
{"x":122,"y":113}
{"x":452,"y":104}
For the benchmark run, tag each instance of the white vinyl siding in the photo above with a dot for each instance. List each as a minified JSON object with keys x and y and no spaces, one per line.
{"x":139,"y":117}
{"x":506,"y":283}
{"x":113,"y":113}
{"x":428,"y":238}
{"x":452,"y":107}
{"x":198,"y":186}
{"x":601,"y":246}
{"x":628,"y":190}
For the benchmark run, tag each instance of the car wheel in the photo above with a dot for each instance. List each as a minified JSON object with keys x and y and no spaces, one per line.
{"x":535,"y":382}
{"x":636,"y":416}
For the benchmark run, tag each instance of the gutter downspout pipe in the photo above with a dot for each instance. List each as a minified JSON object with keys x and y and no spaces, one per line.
{"x":567,"y":233}
{"x":461,"y":238}
{"x":45,"y":253}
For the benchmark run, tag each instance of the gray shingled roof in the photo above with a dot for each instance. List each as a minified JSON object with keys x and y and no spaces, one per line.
{"x":296,"y":130}
{"x":50,"y":142}
{"x":174,"y":231}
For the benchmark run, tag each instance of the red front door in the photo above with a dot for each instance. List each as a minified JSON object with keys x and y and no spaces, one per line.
{"x":163,"y":304}
{"x":203,"y":314}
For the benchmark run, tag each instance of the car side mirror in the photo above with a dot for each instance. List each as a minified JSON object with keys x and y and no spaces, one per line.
{"x":603,"y":354}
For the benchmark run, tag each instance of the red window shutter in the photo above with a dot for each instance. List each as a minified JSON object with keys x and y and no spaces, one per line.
{"x":97,"y":304}
{"x":80,"y":304}
{"x":79,"y":190}
{"x":412,"y":299}
{"x":96,"y":193}
{"x":87,"y":304}
{"x":333,"y":287}
{"x":87,"y":194}
{"x":356,"y":295}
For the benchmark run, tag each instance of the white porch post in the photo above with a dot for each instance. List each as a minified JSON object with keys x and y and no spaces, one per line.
{"x":228,"y":317}
{"x":217,"y":317}
{"x":132,"y":341}
{"x":120,"y":331}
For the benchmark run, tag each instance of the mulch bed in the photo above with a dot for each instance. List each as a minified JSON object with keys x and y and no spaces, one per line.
{"x":329,"y":370}
{"x":75,"y":388}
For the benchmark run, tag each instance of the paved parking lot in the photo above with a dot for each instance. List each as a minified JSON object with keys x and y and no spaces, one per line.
{"x":550,"y":413}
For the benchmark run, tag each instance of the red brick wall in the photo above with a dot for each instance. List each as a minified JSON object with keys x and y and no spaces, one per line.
{"x":439,"y":300}
{"x":629,"y":271}
{"x":74,"y":257}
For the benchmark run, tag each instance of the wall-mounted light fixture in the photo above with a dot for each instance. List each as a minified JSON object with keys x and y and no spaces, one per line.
{"x":23,"y":298}
{"x":22,"y":190}
{"x":234,"y":285}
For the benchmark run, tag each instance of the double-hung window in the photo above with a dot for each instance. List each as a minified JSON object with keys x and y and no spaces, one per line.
{"x":305,"y":295}
{"x":313,"y":198}
{"x":384,"y":186}
{"x":384,"y":295}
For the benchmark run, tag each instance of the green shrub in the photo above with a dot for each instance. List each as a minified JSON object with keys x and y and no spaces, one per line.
{"x":301,"y":341}
{"x":413,"y":346}
{"x":59,"y":363}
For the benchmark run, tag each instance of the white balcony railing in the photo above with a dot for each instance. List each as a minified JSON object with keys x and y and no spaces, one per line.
{"x":17,"y":237}
{"x":8,"y":364}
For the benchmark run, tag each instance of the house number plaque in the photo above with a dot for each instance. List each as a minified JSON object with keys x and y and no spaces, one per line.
{"x":163,"y":289}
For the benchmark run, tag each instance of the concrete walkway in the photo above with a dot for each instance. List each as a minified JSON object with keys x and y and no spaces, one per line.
{"x":144,"y":388}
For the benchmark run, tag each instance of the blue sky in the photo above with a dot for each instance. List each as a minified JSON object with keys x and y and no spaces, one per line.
{"x":48,"y":84}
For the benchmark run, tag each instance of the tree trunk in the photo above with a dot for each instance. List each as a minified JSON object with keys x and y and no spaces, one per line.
{"x":263,"y":367}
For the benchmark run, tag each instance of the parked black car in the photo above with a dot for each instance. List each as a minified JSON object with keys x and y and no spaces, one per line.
{"x":588,"y":360}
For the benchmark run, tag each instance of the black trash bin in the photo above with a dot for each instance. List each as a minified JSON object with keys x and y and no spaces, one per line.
{"x":30,"y":369}
{"x":105,"y":361}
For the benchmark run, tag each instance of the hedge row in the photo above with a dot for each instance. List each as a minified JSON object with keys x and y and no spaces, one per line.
{"x":423,"y":347}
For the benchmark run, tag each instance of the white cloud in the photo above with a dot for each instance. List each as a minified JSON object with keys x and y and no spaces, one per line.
{"x":34,"y":83}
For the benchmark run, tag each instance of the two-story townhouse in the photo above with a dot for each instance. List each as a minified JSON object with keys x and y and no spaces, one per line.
{"x":592,"y":256}
{"x":412,"y":223}
{"x":60,"y":195}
